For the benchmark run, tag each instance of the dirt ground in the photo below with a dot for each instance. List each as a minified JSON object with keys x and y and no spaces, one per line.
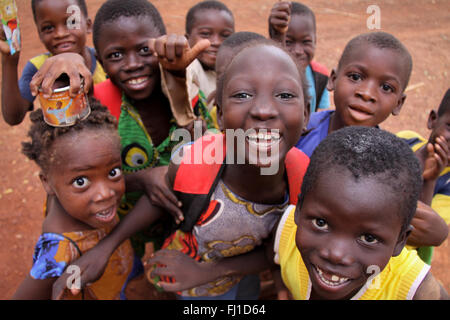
{"x":422,"y":25}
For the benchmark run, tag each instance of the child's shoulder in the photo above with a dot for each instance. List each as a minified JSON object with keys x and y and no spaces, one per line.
{"x":320,"y":68}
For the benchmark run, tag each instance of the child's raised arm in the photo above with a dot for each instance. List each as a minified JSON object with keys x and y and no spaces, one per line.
{"x":279,"y":20}
{"x":14,"y":107}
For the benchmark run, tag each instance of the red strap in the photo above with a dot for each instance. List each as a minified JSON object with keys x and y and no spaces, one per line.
{"x":296,"y":163}
{"x":110,"y":96}
{"x":317,"y":67}
{"x":200,"y":165}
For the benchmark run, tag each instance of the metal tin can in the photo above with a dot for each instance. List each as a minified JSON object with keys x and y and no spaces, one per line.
{"x":60,"y":110}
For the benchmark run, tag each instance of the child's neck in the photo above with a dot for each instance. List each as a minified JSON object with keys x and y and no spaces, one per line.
{"x":156,"y":115}
{"x":335,"y":123}
{"x":247,"y":182}
{"x":59,"y":221}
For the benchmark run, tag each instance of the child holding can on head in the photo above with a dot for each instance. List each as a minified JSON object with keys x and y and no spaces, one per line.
{"x":52,"y":18}
{"x":81,"y":168}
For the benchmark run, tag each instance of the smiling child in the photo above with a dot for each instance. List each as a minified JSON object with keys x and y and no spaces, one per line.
{"x":346,"y":237}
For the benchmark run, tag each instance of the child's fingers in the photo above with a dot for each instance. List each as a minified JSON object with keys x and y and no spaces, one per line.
{"x":197,"y":49}
{"x":170,"y":47}
{"x":168,"y":286}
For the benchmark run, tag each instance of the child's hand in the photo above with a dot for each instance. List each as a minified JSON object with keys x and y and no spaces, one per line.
{"x":174,"y":53}
{"x":187,"y":272}
{"x":280,"y":16}
{"x":437,"y":158}
{"x":70,"y":63}
{"x":91,"y":264}
{"x":157,"y":190}
{"x":429,"y":228}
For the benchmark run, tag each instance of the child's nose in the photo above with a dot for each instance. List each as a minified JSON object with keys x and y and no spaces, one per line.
{"x":132,"y":62}
{"x":103,"y":192}
{"x":366,"y":90}
{"x":263,"y":110}
{"x":215,"y":40}
{"x":337,"y":252}
{"x":61,"y":31}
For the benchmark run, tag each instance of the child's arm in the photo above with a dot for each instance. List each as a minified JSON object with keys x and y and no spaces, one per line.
{"x":34,"y":289}
{"x":429,"y":228}
{"x":189,"y":273}
{"x":14,"y":107}
{"x":93,"y":263}
{"x":279,"y":20}
{"x":434,"y":163}
{"x":430,"y":289}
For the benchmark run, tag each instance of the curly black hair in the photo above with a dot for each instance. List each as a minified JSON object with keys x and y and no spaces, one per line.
{"x":43,"y":135}
{"x":204,"y":5}
{"x":380,"y":40}
{"x":299,"y":9}
{"x":112,"y":10}
{"x":81,"y":4}
{"x":369,"y":152}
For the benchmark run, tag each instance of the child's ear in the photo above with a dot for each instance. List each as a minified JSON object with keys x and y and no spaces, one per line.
{"x":399,"y":106}
{"x":401,"y":242}
{"x":88,"y":26}
{"x":432,"y":118}
{"x":331,"y":84}
{"x":45,"y":183}
{"x":219,"y":117}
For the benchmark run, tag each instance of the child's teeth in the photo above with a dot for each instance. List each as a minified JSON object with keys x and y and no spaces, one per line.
{"x":334,"y":278}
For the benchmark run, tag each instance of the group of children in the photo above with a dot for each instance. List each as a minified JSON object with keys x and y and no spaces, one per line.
{"x":215,"y":226}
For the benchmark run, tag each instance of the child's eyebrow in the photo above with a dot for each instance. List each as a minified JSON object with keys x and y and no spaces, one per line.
{"x":89,"y":167}
{"x":385,"y":76}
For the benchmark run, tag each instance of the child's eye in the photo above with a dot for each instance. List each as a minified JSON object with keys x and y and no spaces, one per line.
{"x":47,"y":28}
{"x":115,"y":55}
{"x":320,"y":224}
{"x":355,"y":76}
{"x":115,"y":173}
{"x":387,"y":87}
{"x":285,"y":96}
{"x":368,"y":239}
{"x":80,"y":182}
{"x":145,"y":50}
{"x":205,"y":34}
{"x":242,"y":95}
{"x":289,"y":42}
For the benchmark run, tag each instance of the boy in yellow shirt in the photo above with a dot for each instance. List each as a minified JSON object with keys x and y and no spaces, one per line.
{"x":346,"y":237}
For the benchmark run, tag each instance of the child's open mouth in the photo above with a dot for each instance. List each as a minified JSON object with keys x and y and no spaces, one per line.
{"x":330,"y":281}
{"x":263,"y":141}
{"x":137,"y":83}
{"x":107,"y":215}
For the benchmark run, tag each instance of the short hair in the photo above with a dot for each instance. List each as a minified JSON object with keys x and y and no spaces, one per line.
{"x":112,"y":10}
{"x":299,"y":9}
{"x":261,"y":42}
{"x":43,"y":135}
{"x":380,"y":40}
{"x":241,"y":38}
{"x":368,"y":152}
{"x":204,"y":5}
{"x":81,"y":4}
{"x":444,"y":107}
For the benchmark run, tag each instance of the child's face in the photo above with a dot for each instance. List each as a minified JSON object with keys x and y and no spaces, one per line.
{"x":52,"y":25}
{"x":439,"y":126}
{"x":224,"y":57}
{"x":214,"y":25}
{"x":262,"y":91}
{"x":126,"y":58}
{"x":85,"y":175}
{"x":344,"y":229}
{"x":301,"y":39}
{"x":368,"y":86}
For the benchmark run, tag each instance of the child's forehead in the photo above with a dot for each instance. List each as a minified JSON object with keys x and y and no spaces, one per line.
{"x":130,"y":26}
{"x":208,"y":15}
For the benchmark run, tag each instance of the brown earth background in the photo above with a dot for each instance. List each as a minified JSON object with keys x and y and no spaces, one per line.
{"x":422,"y":25}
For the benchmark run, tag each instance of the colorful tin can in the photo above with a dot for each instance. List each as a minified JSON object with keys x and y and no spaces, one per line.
{"x":60,"y":110}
